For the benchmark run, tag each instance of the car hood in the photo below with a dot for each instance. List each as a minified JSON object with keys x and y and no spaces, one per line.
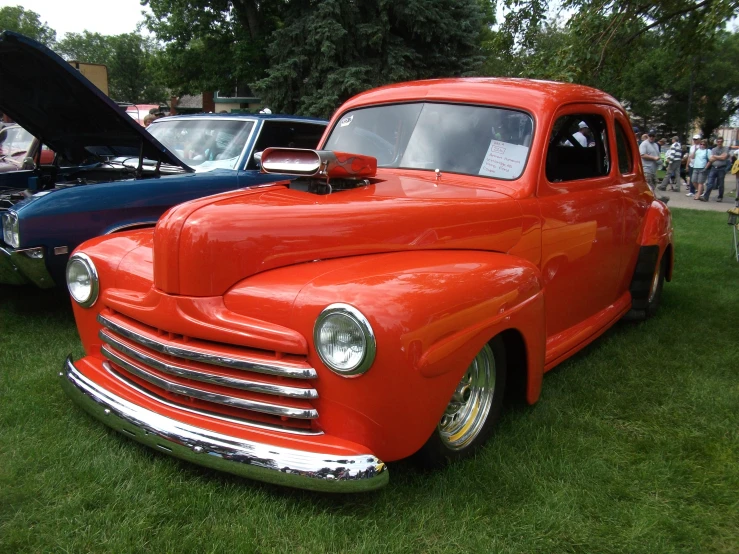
{"x":57,"y":104}
{"x":204,"y":247}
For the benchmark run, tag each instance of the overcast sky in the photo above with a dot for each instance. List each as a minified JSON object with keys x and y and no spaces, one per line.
{"x":107,"y":17}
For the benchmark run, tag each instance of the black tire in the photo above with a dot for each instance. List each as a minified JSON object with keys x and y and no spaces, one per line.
{"x":444,"y":445}
{"x":646,"y":283}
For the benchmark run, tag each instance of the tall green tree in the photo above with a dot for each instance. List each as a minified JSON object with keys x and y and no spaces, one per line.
{"x":134,"y":69}
{"x":659,"y":57}
{"x":716,"y":82}
{"x":607,"y":26}
{"x":327,"y":51}
{"x":28,"y":23}
{"x":212,"y":44}
{"x":86,"y":47}
{"x":133,"y":61}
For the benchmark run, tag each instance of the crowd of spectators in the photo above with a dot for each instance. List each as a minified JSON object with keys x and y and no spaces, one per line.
{"x":701,"y":167}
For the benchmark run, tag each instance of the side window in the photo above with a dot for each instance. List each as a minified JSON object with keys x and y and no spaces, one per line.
{"x":578,"y":148}
{"x":625,"y":164}
{"x":286,"y":134}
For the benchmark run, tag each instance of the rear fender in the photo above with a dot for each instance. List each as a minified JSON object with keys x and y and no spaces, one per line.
{"x":658,"y":231}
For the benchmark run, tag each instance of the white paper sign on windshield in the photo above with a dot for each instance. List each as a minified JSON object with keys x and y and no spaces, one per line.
{"x":504,"y":160}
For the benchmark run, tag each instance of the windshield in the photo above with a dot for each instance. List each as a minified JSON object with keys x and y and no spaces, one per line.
{"x":14,"y":141}
{"x":203,"y":143}
{"x":473,"y":140}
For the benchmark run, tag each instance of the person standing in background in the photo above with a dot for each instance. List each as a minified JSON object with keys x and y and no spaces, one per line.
{"x":735,"y":171}
{"x":673,"y":159}
{"x":649,"y":152}
{"x":700,"y":166}
{"x":662,"y":145}
{"x":719,"y":158}
{"x":693,"y":148}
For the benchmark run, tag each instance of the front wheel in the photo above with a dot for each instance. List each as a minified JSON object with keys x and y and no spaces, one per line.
{"x":472,"y":412}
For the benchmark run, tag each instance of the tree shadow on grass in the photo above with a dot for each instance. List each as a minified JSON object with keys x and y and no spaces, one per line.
{"x":34,"y":302}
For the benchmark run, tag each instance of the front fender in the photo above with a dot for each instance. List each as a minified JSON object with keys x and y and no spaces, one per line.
{"x":431,"y":312}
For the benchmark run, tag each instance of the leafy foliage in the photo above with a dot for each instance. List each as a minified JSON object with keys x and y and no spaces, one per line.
{"x":85,"y":47}
{"x":26,"y":22}
{"x":212,"y":44}
{"x":328,"y":51}
{"x":134,"y":65}
{"x":671,"y":62}
{"x":717,"y":82}
{"x":660,"y":58}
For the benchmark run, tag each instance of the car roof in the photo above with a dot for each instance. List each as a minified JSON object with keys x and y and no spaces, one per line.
{"x":527,"y":94}
{"x":252,"y":116}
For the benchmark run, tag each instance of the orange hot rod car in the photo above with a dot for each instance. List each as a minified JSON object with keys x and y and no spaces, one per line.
{"x":449,"y":242}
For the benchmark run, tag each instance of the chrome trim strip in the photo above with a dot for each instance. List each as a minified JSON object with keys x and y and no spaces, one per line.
{"x":140,"y":224}
{"x":246,"y":458}
{"x":232,"y":382}
{"x":177,"y":388}
{"x":207,"y":413}
{"x":245,"y":364}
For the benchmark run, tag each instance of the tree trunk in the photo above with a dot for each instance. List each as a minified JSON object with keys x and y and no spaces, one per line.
{"x":247,"y":14}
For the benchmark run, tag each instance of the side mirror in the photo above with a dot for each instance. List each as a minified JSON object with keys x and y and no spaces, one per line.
{"x":258,"y":159}
{"x":28,"y":163}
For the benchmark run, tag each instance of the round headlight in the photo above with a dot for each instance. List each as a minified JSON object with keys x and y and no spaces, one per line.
{"x":344,"y":340}
{"x":82,"y":280}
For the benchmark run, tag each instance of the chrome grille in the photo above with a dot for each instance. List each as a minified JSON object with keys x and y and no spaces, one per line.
{"x":251,"y":385}
{"x":209,"y":356}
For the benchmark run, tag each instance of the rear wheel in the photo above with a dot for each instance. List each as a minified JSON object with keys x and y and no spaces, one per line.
{"x":473,"y":410}
{"x":655,"y":290}
{"x":647,"y":282}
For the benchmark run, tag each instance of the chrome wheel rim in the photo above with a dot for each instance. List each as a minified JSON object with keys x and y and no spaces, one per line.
{"x":469,"y":407}
{"x":655,"y":283}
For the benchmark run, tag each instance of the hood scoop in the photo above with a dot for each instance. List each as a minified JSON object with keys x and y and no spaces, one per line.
{"x":320,"y":171}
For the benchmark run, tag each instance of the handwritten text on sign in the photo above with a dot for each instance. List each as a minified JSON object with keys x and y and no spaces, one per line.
{"x":504,"y":160}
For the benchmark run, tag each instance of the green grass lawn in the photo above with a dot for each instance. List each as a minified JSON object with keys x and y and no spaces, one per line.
{"x":633,"y":447}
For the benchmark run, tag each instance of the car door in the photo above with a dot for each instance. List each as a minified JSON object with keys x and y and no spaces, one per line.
{"x":582,"y":218}
{"x":637,"y":195}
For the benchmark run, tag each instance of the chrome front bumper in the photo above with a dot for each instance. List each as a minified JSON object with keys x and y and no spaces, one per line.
{"x":19,"y":267}
{"x":263,"y":462}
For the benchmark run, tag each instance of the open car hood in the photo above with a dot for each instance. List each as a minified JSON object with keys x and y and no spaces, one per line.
{"x":57,"y":104}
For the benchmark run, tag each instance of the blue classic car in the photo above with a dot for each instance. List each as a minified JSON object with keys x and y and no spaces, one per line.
{"x":109,"y":173}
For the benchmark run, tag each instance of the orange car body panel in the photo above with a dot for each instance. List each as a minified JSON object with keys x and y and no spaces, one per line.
{"x":438,"y":266}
